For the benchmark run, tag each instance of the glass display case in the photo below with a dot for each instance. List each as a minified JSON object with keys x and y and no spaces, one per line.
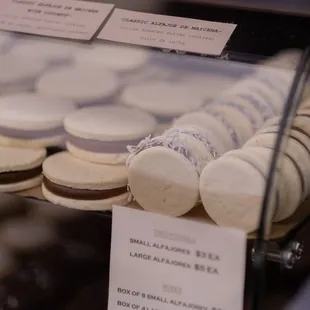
{"x":220,"y":140}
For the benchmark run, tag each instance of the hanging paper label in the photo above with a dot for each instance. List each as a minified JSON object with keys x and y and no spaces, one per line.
{"x":159,"y":262}
{"x":69,"y":19}
{"x":176,"y":33}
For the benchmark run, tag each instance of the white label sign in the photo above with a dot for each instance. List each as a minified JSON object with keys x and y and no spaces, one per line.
{"x":70,"y":19}
{"x":176,"y":33}
{"x":159,"y":263}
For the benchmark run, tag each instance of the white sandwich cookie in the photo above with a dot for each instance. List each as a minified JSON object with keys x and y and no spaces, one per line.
{"x":236,"y":121}
{"x":288,"y":183}
{"x":73,"y":183}
{"x":231,"y":191}
{"x":226,"y":139}
{"x":31,"y":120}
{"x":166,"y":101}
{"x":101,"y":134}
{"x":164,"y":171}
{"x":209,"y":86}
{"x":260,"y":158}
{"x":294,"y":169}
{"x":273,"y":97}
{"x":16,"y":74}
{"x":255,"y":119}
{"x":20,"y":168}
{"x":118,"y":58}
{"x":254,"y":99}
{"x":43,"y":50}
{"x":287,"y":59}
{"x":85,"y":85}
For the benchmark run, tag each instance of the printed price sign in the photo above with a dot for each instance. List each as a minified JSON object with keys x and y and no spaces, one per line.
{"x":176,"y":33}
{"x":159,"y":262}
{"x":70,"y":19}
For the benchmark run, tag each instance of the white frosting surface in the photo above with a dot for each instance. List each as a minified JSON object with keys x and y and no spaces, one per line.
{"x":209,"y":86}
{"x":15,"y":69}
{"x":114,"y":57}
{"x":30,"y":111}
{"x":110,"y":123}
{"x":83,"y":84}
{"x":43,"y":50}
{"x":162,"y":99}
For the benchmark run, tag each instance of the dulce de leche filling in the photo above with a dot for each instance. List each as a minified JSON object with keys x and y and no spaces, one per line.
{"x":31,"y":134}
{"x":19,"y":176}
{"x":82,"y":194}
{"x":104,"y":147}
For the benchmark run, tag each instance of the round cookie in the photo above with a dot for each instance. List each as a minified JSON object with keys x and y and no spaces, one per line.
{"x":295,"y":149}
{"x":118,"y":58}
{"x":16,"y":74}
{"x":44,"y":50}
{"x":164,"y":181}
{"x":27,"y":234}
{"x":253,"y":99}
{"x":235,"y":119}
{"x":20,"y":168}
{"x":32,"y":120}
{"x":164,"y":171}
{"x":260,"y":158}
{"x":232,"y":192}
{"x":243,"y":107}
{"x":293,"y":185}
{"x":209,"y":86}
{"x":86,"y":85}
{"x":102,"y":134}
{"x":272,"y":96}
{"x":77,"y":184}
{"x":211,"y":124}
{"x":164,"y":100}
{"x":294,"y":177}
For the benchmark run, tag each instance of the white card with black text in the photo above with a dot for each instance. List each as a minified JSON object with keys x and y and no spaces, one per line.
{"x":168,"y":32}
{"x":158,"y":262}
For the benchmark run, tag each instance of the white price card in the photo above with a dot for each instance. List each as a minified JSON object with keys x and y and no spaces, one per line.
{"x":69,"y":19}
{"x":159,"y":262}
{"x":176,"y":33}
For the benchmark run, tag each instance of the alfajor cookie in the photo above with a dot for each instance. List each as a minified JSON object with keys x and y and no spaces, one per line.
{"x":84,"y":84}
{"x":115,"y":57}
{"x":209,"y":86}
{"x":16,"y":74}
{"x":236,"y":121}
{"x":164,"y":171}
{"x":20,"y":168}
{"x":32,"y":120}
{"x":232,"y":192}
{"x":165,"y":101}
{"x":294,"y":168}
{"x":226,"y":140}
{"x":48,"y":51}
{"x":101,"y":134}
{"x":73,"y":183}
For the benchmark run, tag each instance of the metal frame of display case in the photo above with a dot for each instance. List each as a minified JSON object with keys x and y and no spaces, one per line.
{"x":263,"y":249}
